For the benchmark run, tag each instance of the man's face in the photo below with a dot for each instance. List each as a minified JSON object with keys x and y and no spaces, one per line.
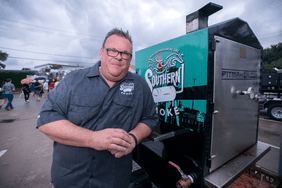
{"x":115,"y":68}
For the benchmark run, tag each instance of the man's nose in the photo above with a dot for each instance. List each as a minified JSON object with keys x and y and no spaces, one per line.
{"x":119,"y":56}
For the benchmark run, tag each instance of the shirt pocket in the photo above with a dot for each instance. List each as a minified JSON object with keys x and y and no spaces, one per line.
{"x":122,"y":110}
{"x":83,"y":108}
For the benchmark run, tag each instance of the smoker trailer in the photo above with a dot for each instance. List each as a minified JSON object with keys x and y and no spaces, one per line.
{"x":204,"y":85}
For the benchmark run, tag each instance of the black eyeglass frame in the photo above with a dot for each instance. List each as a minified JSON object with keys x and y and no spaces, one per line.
{"x":107,"y":49}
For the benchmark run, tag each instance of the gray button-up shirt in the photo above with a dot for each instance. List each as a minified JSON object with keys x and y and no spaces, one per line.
{"x":84,"y":98}
{"x":8,"y":87}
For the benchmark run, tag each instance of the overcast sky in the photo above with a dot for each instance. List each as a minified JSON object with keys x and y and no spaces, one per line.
{"x":36,"y":32}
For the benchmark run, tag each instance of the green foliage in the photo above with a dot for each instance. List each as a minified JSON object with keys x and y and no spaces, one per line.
{"x":15,"y":76}
{"x":272,"y":57}
{"x":3,"y":57}
{"x":269,"y":68}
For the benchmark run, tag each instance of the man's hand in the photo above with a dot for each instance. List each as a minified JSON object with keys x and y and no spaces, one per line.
{"x":128,"y":150}
{"x":117,"y":141}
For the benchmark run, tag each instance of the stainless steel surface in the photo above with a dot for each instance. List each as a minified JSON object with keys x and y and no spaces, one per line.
{"x":226,"y":174}
{"x":236,"y":78}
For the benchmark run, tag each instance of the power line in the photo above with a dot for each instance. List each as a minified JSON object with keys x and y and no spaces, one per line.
{"x":46,"y":60}
{"x":62,"y":31}
{"x":89,"y":36}
{"x":45,"y":53}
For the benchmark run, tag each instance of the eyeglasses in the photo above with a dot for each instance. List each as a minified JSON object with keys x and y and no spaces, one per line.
{"x":114,"y":53}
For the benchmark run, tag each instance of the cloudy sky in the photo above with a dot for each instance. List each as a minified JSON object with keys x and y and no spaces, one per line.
{"x":36,"y":32}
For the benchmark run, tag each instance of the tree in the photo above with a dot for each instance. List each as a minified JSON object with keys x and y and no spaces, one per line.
{"x":272,"y":58}
{"x":3,"y":57}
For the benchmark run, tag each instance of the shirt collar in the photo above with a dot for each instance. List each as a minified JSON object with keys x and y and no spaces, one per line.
{"x":94,"y":71}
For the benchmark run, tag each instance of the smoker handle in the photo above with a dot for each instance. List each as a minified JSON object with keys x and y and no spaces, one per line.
{"x":250,"y":93}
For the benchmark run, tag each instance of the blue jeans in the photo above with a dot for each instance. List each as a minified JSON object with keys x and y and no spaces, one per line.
{"x":10,"y":99}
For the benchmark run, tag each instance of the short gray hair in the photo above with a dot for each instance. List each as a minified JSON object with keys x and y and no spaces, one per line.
{"x":118,"y":32}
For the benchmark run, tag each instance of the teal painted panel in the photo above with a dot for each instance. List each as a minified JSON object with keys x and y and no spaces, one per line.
{"x":172,"y":69}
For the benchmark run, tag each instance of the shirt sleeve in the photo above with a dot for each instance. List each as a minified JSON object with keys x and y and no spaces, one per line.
{"x":149,"y":115}
{"x":55,"y":106}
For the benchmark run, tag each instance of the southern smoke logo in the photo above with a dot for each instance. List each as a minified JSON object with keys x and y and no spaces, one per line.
{"x":165,"y":74}
{"x":127,"y":88}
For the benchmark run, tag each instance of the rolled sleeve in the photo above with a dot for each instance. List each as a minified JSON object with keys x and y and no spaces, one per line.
{"x":149,"y":115}
{"x":55,"y":106}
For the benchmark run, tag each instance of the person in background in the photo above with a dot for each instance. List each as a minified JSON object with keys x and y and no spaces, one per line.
{"x":37,"y":87}
{"x":58,"y":80}
{"x":9,"y":88}
{"x":26,"y":91}
{"x":4,"y":96}
{"x":45,"y":88}
{"x":32,"y":90}
{"x":96,"y":117}
{"x":51,"y":85}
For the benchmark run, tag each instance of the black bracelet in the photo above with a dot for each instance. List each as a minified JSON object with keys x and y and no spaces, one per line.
{"x":134,"y":137}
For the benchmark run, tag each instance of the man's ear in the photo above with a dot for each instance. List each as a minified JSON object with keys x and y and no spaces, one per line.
{"x":101,"y":52}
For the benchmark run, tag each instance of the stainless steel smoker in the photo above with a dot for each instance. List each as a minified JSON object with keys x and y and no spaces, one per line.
{"x":204,"y":85}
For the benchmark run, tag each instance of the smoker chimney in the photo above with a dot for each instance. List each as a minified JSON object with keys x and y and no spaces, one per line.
{"x":199,"y":19}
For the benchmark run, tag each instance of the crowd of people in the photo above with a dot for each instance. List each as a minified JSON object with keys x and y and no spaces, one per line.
{"x":29,"y":90}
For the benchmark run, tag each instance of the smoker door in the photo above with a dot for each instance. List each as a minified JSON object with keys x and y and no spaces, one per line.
{"x":235,"y":118}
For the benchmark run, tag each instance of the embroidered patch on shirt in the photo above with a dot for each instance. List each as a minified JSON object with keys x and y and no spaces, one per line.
{"x":126,"y":88}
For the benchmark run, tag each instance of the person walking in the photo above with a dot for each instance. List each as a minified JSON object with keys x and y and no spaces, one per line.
{"x":51,"y":85}
{"x":9,"y":88}
{"x":37,"y":87}
{"x":26,"y":91}
{"x":96,"y":117}
{"x":45,"y":88}
{"x":58,"y":81}
{"x":32,"y":90}
{"x":3,"y":96}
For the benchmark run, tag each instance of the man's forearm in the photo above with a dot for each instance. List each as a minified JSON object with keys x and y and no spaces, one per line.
{"x":67,"y":133}
{"x":141,"y":131}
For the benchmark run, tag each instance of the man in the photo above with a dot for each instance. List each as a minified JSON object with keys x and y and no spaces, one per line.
{"x":58,"y":80}
{"x":26,"y":89}
{"x":37,"y":87}
{"x":9,"y":88}
{"x":96,"y":117}
{"x":45,"y":88}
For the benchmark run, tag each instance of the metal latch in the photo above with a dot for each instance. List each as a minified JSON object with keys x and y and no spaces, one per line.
{"x":250,"y":92}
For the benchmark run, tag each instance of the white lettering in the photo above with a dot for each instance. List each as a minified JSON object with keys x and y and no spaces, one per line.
{"x":162,"y":112}
{"x":169,"y":112}
{"x":163,"y":79}
{"x":176,"y":112}
{"x":168,"y":78}
{"x":149,"y":74}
